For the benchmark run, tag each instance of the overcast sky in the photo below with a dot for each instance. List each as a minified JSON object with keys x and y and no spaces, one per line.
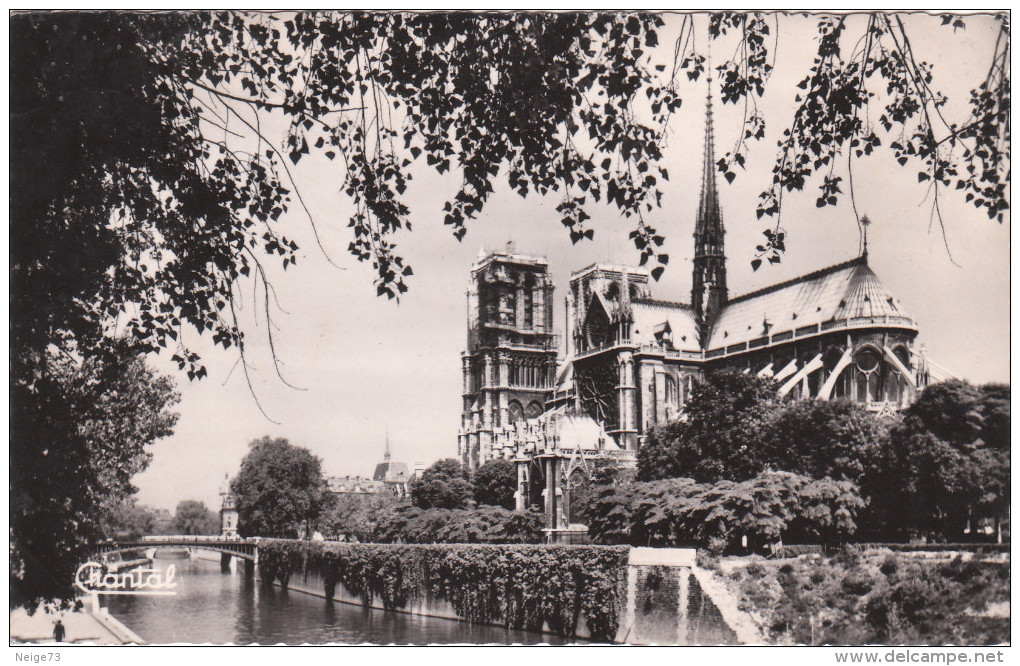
{"x":368,"y":364}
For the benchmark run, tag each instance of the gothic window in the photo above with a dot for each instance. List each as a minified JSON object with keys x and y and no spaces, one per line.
{"x":508,"y":308}
{"x":596,"y":385}
{"x":903,"y":354}
{"x":672,"y":398}
{"x":867,"y":360}
{"x":529,"y":301}
{"x":597,"y":331}
{"x":861,"y":385}
{"x":536,"y":484}
{"x":533,"y":411}
{"x":576,"y":486}
{"x":515,"y":412}
{"x":874,"y":391}
{"x":868,"y":363}
{"x":893,"y":387}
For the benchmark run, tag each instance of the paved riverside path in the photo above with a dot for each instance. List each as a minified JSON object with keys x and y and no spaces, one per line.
{"x":79,"y":627}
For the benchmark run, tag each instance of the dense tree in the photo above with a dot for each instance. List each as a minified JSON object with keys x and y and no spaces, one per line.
{"x":995,"y":408}
{"x":484,"y":524}
{"x":279,"y":490}
{"x":495,"y":483}
{"x":79,"y":432}
{"x":948,"y":461}
{"x":194,"y":517}
{"x":764,"y":509}
{"x":729,"y":416}
{"x":358,"y":517}
{"x":127,"y":519}
{"x":444,"y":485}
{"x":819,"y":438}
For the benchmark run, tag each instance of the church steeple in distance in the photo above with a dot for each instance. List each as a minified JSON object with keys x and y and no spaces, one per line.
{"x":708,"y":291}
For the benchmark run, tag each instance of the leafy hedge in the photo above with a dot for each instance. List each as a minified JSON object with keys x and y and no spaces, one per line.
{"x":384,"y":520}
{"x":485,"y":524}
{"x":518,"y":586}
{"x":767,"y":508}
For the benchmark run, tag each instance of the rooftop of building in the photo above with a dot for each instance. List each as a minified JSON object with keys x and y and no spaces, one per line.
{"x":614,"y":270}
{"x":847,"y":290}
{"x":391,"y":472}
{"x":355,"y":485}
{"x":507,"y":255}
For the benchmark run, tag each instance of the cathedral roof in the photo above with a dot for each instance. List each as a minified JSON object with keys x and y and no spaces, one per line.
{"x":843,"y":291}
{"x":652,"y":317}
{"x":391,"y":471}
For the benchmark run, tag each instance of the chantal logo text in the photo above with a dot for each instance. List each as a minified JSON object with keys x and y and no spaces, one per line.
{"x":94,"y":577}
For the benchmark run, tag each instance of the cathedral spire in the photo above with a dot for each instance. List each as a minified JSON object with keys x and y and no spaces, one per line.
{"x":708,"y":291}
{"x":709,"y":215}
{"x":386,"y":453}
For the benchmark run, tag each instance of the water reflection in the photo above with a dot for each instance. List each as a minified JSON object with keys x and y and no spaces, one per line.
{"x":219,"y":608}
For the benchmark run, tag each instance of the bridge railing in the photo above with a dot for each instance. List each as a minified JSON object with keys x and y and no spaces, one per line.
{"x":193,"y":538}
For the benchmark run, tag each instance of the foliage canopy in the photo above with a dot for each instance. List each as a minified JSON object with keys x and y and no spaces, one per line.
{"x":443,"y":485}
{"x":279,"y":490}
{"x":495,"y":483}
{"x":729,"y":415}
{"x":79,"y":434}
{"x":149,"y":183}
{"x":948,"y":462}
{"x":194,"y":517}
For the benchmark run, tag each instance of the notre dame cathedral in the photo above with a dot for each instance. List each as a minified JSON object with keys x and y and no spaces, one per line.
{"x":631,"y":359}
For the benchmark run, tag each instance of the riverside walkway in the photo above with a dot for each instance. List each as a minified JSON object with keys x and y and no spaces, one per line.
{"x":81,"y":626}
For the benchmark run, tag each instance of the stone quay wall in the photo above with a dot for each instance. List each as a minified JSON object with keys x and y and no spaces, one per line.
{"x":593,"y":593}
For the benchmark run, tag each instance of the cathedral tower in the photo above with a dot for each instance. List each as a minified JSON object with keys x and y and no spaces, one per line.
{"x":510,"y":363}
{"x":708,"y":293}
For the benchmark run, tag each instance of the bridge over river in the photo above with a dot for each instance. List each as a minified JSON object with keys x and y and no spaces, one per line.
{"x":228,"y":547}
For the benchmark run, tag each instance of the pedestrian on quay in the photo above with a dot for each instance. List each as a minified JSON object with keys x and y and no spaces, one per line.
{"x":58,"y":632}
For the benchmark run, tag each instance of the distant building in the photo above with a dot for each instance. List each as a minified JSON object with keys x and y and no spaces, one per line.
{"x":355,"y":485}
{"x":228,"y":510}
{"x":391,"y":477}
{"x":395,"y":475}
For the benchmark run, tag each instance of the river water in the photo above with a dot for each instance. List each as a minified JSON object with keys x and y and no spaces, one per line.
{"x":226,"y":608}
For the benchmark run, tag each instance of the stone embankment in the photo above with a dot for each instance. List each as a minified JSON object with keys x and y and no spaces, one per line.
{"x":662,"y":597}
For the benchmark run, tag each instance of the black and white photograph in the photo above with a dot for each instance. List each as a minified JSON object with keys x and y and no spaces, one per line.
{"x":510,"y":328}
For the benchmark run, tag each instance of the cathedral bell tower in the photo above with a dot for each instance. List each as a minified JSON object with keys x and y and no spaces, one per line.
{"x":509,"y":365}
{"x":708,"y":293}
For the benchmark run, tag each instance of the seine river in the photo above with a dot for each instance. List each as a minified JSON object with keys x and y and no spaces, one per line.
{"x":221,"y":608}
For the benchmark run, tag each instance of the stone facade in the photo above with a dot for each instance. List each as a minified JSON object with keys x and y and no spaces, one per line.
{"x":631,"y":359}
{"x":510,"y":363}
